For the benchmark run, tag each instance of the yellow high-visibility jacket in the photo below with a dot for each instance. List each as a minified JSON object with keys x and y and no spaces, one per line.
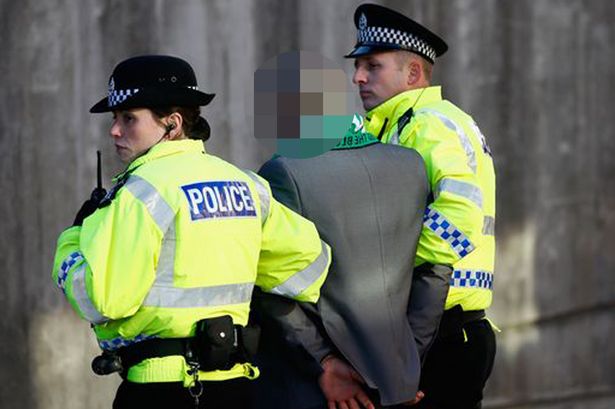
{"x":185,"y":236}
{"x":459,"y":224}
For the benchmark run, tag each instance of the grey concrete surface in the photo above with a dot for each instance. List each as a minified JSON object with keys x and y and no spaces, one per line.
{"x":537,"y":75}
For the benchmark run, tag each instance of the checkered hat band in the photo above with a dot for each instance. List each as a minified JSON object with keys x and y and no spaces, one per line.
{"x":384,"y":35}
{"x":118,"y":96}
{"x":472,"y":279}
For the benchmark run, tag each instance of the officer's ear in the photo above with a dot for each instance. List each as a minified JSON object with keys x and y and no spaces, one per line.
{"x":415,"y":72}
{"x":173,"y":125}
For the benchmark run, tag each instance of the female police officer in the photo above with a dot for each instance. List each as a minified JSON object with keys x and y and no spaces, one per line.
{"x":163,"y":267}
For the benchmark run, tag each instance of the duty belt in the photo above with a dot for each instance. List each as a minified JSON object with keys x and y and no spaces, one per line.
{"x":454,"y":319}
{"x":122,"y":359}
{"x":155,"y":348}
{"x":217,"y":345}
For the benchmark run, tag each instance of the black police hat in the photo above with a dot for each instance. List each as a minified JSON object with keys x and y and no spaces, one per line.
{"x":380,"y":28}
{"x":152,"y":81}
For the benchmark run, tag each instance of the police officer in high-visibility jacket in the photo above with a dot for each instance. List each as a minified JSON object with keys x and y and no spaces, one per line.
{"x":393,"y":64}
{"x":163,"y":267}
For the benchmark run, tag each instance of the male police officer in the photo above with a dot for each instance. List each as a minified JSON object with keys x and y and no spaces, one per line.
{"x":394,"y":56}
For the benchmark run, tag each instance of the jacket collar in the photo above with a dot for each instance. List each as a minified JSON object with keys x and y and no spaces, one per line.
{"x":387,"y":113}
{"x":356,"y":136}
{"x":162,"y":149}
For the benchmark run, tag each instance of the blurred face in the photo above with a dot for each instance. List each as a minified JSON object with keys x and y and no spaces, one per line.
{"x":379,"y":77}
{"x":134,"y":131}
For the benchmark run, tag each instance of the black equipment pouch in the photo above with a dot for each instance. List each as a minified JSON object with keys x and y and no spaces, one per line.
{"x":107,"y":363}
{"x":248,"y":342}
{"x":215,"y":341}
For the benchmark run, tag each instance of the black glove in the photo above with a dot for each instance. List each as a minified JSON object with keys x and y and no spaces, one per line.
{"x":90,"y":205}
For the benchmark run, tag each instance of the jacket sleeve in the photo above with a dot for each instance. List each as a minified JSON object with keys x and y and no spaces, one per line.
{"x":293,"y":261}
{"x":453,"y":221}
{"x":430,"y":285}
{"x":106,"y":268}
{"x":286,"y":319}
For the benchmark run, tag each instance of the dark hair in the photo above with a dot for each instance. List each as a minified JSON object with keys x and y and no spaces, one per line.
{"x":194,"y":125}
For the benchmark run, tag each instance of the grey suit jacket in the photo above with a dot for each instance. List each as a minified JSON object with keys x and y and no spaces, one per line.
{"x":368,"y":205}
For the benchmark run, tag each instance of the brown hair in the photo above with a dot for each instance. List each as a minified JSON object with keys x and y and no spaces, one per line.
{"x":193,"y":125}
{"x":404,"y":56}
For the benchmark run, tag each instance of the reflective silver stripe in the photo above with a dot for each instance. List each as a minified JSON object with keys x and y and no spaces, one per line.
{"x":395,"y":138}
{"x":157,"y":207}
{"x":164,"y":294}
{"x":165,"y":270}
{"x":460,"y":188}
{"x":263,"y":195}
{"x":463,"y":138}
{"x":489,"y":226}
{"x":163,"y":215}
{"x":227,"y":294}
{"x":80,"y":294}
{"x":301,"y":280}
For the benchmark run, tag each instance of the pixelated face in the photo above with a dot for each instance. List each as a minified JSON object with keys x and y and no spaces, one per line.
{"x":301,"y":99}
{"x":379,"y":77}
{"x":134,"y":131}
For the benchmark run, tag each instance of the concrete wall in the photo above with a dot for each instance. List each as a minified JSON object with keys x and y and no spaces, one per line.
{"x":537,"y":75}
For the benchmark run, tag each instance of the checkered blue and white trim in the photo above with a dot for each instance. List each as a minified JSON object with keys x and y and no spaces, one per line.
{"x":384,"y":35}
{"x":66,"y":265}
{"x":119,"y":342}
{"x":447,"y":231}
{"x":118,"y":96}
{"x":472,"y":279}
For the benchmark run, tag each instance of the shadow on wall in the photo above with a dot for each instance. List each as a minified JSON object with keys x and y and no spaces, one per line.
{"x":62,"y":347}
{"x":555,"y":288}
{"x":554,"y":350}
